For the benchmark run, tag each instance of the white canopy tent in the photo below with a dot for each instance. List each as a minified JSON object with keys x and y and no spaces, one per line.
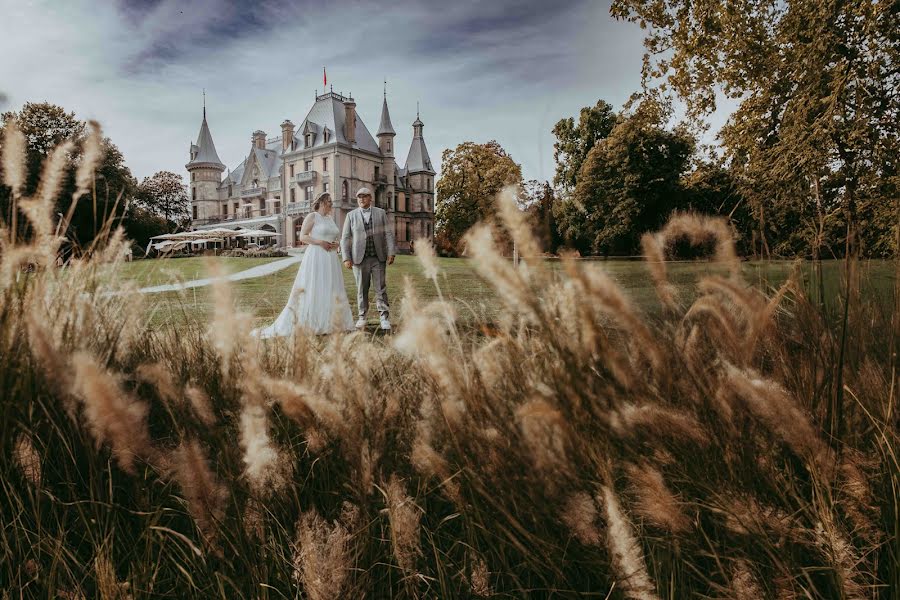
{"x":175,"y":241}
{"x":257,"y":233}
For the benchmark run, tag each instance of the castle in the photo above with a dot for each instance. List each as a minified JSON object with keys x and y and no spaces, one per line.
{"x":332,"y":151}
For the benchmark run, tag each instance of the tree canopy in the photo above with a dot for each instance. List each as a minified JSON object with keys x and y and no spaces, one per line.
{"x":165,"y":195}
{"x":45,"y":126}
{"x":628,"y":184}
{"x":815,"y":138}
{"x":574,"y":141}
{"x":471,"y":177}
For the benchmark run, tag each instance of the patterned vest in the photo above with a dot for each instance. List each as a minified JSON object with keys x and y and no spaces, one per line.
{"x":370,"y":235}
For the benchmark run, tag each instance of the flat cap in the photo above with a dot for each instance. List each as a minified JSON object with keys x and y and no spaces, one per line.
{"x":363,"y":191}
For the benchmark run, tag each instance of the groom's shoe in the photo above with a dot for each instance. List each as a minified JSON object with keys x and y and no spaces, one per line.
{"x":385,"y":324}
{"x":361,"y":323}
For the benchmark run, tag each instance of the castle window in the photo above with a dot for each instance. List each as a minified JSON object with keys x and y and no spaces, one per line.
{"x":293,"y":195}
{"x":256,"y":183}
{"x":292,"y":170}
{"x":408,"y":231}
{"x":195,"y":212}
{"x":309,"y":193}
{"x":309,"y":139}
{"x":324,"y":186}
{"x":389,"y":145}
{"x":194,"y":194}
{"x":345,"y":190}
{"x":307,"y":166}
{"x":377,"y":172}
{"x":325,"y":164}
{"x":277,"y":207}
{"x":193,"y":176}
{"x":237,"y":206}
{"x":325,"y":136}
{"x":225,"y":210}
{"x":429,"y":183}
{"x":230,"y":190}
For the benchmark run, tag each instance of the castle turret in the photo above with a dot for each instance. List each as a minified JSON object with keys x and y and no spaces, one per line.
{"x":385,"y":137}
{"x":420,"y":178}
{"x":386,"y":131}
{"x":205,"y":171}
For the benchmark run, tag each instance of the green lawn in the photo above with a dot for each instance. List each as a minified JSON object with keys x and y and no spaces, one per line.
{"x":264,"y":297}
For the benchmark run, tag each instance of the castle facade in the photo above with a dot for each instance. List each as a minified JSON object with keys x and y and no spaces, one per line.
{"x":331,"y":151}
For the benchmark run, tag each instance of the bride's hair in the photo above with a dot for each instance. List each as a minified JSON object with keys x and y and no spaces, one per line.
{"x":323,"y":197}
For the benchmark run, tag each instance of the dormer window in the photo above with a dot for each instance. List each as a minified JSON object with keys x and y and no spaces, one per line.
{"x":309,"y":140}
{"x":325,"y":136}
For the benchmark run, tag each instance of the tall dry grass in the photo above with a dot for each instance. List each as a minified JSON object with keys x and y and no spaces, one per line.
{"x":582,"y":449}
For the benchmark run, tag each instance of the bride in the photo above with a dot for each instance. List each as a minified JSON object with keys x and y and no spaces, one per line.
{"x":318,"y":300}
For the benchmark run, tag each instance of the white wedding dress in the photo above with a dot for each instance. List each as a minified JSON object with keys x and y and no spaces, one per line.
{"x":318,"y":300}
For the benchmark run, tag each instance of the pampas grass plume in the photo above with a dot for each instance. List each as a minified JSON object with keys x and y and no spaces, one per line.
{"x":580,"y":516}
{"x":321,"y":557}
{"x":425,"y":253}
{"x":625,"y":550}
{"x":28,"y":459}
{"x":90,"y":157}
{"x":404,"y":518}
{"x":14,"y":157}
{"x":112,"y":415}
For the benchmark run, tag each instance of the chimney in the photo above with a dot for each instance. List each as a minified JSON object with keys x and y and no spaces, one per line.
{"x":287,"y":135}
{"x":259,"y":139}
{"x":350,"y":120}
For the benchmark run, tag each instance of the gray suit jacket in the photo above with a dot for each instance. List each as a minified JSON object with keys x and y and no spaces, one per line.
{"x":353,"y":238}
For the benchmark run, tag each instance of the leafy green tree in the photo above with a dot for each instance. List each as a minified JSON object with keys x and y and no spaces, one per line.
{"x":710,"y":189}
{"x":165,"y":194}
{"x":538,"y":199}
{"x":471,"y":177}
{"x":818,"y":106}
{"x":45,"y":126}
{"x":141,"y":224}
{"x":629,"y":184}
{"x":574,"y":142}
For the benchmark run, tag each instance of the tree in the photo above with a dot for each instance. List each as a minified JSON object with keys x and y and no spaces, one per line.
{"x":710,"y":189}
{"x":471,"y":177}
{"x":817,"y":83}
{"x":574,"y":142}
{"x":45,"y":126}
{"x":165,"y":195}
{"x":629,"y":184}
{"x":141,"y":225}
{"x":538,"y":199}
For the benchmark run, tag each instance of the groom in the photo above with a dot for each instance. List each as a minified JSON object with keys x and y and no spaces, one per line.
{"x":367,"y":244}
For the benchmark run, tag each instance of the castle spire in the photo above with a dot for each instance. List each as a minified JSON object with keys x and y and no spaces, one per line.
{"x":385,"y":127}
{"x":204,"y":151}
{"x":418,"y":160}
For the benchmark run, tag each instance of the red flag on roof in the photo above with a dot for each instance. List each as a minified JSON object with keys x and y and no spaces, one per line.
{"x":324,"y":78}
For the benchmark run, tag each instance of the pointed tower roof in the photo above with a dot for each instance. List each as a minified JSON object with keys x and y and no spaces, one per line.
{"x":385,"y":128}
{"x":418,"y":160}
{"x":206,"y":149}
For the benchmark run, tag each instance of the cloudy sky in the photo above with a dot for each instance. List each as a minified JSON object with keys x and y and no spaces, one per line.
{"x":504,"y":69}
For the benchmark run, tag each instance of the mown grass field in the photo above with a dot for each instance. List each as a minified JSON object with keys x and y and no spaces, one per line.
{"x":475,"y":300}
